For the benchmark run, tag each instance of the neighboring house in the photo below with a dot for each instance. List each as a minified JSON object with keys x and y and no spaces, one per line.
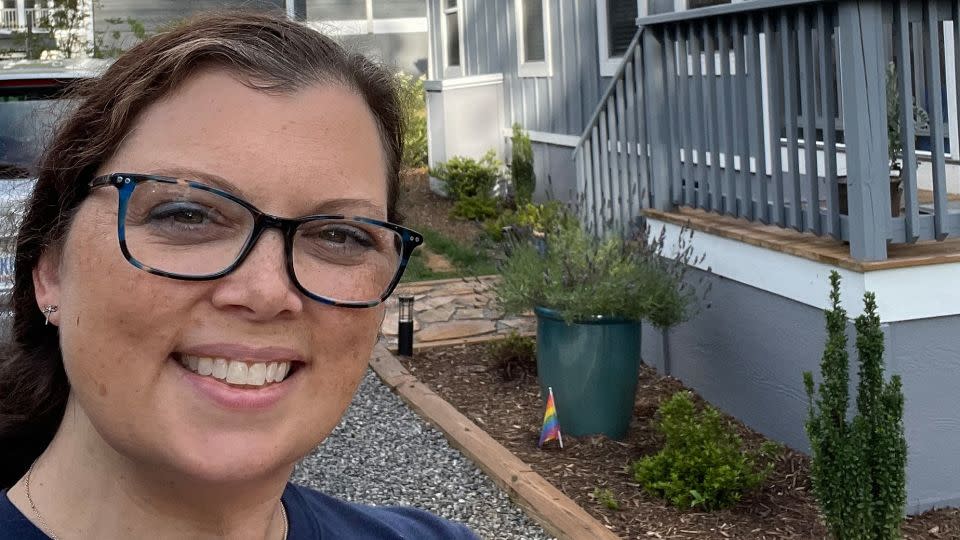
{"x":393,"y":31}
{"x":702,"y":117}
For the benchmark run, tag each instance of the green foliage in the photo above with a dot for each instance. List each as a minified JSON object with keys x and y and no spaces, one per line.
{"x":475,"y":207}
{"x":605,"y":497}
{"x":521,"y":166}
{"x":858,"y":466}
{"x":467,"y":177}
{"x":514,"y":356}
{"x":413,"y":108}
{"x":470,"y":184}
{"x":703,"y":463}
{"x":894,"y":129}
{"x":117,"y":44}
{"x":538,"y":218}
{"x":583,"y":276}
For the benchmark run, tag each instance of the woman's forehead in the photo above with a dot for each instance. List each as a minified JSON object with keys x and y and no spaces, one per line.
{"x":317,"y":143}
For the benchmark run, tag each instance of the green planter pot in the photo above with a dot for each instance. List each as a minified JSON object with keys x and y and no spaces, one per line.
{"x":592,"y":367}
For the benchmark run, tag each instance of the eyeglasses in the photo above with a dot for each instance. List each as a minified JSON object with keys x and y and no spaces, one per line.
{"x":183,"y":229}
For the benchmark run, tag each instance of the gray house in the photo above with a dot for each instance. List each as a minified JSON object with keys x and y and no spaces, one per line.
{"x":762,"y":125}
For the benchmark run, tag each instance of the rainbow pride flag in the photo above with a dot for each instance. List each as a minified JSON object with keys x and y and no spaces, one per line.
{"x":551,"y":426}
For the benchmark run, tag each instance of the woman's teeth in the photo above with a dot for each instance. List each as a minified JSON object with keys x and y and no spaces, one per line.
{"x":236,"y":372}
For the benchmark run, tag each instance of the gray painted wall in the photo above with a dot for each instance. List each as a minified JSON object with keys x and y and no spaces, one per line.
{"x":745,"y":352}
{"x":561,"y":103}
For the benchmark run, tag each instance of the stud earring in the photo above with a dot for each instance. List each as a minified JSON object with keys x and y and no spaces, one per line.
{"x":47,"y":310}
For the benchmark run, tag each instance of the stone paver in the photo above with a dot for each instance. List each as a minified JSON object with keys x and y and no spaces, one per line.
{"x":453,"y":309}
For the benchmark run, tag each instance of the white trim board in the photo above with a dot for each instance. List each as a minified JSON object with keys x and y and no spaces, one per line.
{"x":903,"y":294}
{"x":557,"y":139}
{"x":356,"y":27}
{"x":463,"y":82}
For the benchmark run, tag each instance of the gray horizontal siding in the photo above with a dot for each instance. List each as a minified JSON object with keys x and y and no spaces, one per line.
{"x":560,"y":103}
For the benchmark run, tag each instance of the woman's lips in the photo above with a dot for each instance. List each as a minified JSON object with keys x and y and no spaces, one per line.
{"x":234,"y":397}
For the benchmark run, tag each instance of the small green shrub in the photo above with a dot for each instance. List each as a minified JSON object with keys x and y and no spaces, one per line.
{"x":413,"y":109}
{"x":515,"y":356}
{"x":475,"y":207}
{"x":702,"y":463}
{"x":605,"y":497}
{"x":541,"y":218}
{"x":858,"y":470}
{"x":521,"y":166}
{"x":466,"y":177}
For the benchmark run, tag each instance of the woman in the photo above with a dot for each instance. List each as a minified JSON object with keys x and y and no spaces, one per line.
{"x":179,"y":344}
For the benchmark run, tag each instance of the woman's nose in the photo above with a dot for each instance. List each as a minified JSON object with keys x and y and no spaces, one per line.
{"x":261,"y":287}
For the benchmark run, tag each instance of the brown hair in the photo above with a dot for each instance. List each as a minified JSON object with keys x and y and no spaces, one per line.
{"x":266,"y":52}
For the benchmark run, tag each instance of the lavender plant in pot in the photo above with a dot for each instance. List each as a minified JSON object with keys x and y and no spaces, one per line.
{"x":590,"y":294}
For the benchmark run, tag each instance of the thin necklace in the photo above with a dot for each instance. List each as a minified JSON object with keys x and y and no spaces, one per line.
{"x":46,"y":528}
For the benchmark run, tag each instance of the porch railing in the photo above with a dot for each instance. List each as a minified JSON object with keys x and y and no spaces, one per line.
{"x":776,"y":112}
{"x":10,"y":19}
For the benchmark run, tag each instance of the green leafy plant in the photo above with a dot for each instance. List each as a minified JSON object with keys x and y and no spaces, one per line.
{"x":475,"y":207}
{"x":515,"y":356}
{"x":703,"y":463}
{"x":537,"y":218}
{"x":414,"y":112}
{"x":858,"y":467}
{"x":921,"y":119}
{"x":605,"y":497}
{"x":470,"y":183}
{"x":521,"y":166}
{"x":583,"y":276}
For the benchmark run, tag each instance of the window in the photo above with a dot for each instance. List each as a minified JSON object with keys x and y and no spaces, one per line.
{"x":616,"y":26}
{"x":533,"y":45}
{"x":451,"y":38}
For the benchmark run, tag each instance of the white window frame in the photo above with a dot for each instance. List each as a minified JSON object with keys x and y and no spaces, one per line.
{"x":448,"y":70}
{"x":538,"y":68}
{"x":608,"y":62}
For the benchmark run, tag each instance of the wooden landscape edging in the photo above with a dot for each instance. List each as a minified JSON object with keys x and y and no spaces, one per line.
{"x":557,"y":513}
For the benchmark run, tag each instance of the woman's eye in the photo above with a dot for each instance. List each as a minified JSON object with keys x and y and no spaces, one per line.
{"x":181,"y":214}
{"x":344,"y":236}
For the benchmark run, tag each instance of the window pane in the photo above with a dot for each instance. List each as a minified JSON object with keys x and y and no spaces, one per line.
{"x":453,"y":40}
{"x":451,"y":3}
{"x":533,"y":31}
{"x":694,"y":4}
{"x":621,"y":25}
{"x":335,"y":10}
{"x":389,"y":9}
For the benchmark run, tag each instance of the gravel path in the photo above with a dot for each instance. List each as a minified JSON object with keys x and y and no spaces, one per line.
{"x":382,"y":453}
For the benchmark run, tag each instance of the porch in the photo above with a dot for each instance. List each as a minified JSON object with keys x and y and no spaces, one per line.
{"x":713,"y":109}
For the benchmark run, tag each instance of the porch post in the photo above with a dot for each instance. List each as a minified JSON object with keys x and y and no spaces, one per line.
{"x":863,"y":84}
{"x":655,"y":106}
{"x":21,"y":14}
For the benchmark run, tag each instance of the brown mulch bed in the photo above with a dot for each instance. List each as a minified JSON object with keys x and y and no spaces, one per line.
{"x":421,"y":207}
{"x":511,"y":412}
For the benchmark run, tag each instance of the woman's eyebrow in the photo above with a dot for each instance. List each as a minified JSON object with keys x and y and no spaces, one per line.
{"x":215,"y":180}
{"x":349,"y":206}
{"x":345,"y":205}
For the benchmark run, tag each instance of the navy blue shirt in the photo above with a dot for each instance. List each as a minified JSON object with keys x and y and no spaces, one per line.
{"x":311,"y":515}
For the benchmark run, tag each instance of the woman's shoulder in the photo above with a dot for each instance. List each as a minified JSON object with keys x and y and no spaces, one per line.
{"x":313,"y":514}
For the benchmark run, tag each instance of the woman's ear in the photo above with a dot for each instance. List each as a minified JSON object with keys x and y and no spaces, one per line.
{"x":46,"y":284}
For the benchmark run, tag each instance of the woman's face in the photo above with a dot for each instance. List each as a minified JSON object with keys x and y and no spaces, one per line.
{"x":122,"y":330}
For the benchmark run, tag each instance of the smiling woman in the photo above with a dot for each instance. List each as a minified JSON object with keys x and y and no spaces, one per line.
{"x":199,"y":283}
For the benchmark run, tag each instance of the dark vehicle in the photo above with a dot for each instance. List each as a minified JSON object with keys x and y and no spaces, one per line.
{"x":31,"y":104}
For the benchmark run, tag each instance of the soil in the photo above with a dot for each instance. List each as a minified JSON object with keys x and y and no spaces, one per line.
{"x":421,"y":207}
{"x":511,"y":411}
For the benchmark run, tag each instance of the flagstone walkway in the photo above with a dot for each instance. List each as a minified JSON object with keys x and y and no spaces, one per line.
{"x":451,"y":311}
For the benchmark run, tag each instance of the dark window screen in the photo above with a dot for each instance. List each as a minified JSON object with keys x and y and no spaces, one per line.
{"x":694,"y":4}
{"x":453,"y":40}
{"x":533,"y":31}
{"x":621,"y":25}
